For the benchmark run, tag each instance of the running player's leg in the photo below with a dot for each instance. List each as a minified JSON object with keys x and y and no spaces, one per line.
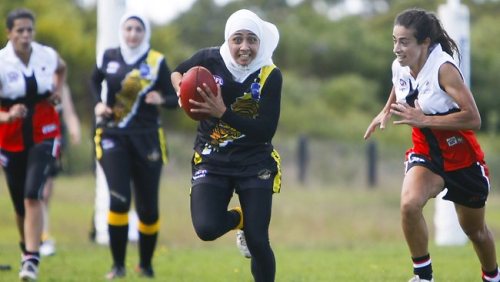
{"x":474,"y":226}
{"x":40,"y":156}
{"x":469,"y":188}
{"x":14,"y":165}
{"x":210,"y":196}
{"x":419,"y":185}
{"x":256,"y":204}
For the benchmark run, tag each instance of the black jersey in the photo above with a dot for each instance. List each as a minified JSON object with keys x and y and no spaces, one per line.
{"x":243,"y":135}
{"x":127,"y":86}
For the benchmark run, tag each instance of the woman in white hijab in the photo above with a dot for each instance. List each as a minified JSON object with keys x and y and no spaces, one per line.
{"x":233,"y":147}
{"x":130,"y":145}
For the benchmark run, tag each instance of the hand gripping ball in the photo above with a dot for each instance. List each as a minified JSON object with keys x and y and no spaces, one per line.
{"x":193,"y":78}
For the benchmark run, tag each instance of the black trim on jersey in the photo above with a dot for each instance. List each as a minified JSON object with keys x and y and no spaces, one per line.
{"x":434,"y":150}
{"x":451,"y":111}
{"x":412,"y":96}
{"x":31,"y":97}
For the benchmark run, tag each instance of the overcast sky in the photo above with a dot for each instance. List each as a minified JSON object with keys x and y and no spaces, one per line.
{"x":158,"y":11}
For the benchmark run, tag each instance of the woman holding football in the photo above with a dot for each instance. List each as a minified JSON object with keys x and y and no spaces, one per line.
{"x":233,"y":149}
{"x":429,"y":94}
{"x":130,"y":145}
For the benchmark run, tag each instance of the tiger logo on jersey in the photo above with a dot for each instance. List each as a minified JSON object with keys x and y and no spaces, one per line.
{"x":127,"y":96}
{"x":223,"y":134}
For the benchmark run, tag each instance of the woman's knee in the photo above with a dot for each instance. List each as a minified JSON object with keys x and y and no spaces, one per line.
{"x":478,"y":235}
{"x":410,"y":208}
{"x":207,"y":232}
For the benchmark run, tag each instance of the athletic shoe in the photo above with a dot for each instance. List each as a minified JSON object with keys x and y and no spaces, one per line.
{"x":116,"y":272}
{"x":29,"y":271}
{"x":146,"y":272}
{"x":48,"y":248}
{"x":241,"y":243}
{"x":416,"y":278}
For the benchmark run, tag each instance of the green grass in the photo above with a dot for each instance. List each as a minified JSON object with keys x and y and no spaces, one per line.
{"x":318,"y":233}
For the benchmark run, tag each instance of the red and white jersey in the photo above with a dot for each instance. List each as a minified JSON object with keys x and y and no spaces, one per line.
{"x":450,"y":149}
{"x":42,"y":121}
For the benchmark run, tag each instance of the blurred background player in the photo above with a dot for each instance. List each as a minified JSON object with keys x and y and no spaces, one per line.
{"x":31,"y":78}
{"x":130,"y":144}
{"x":70,"y":125}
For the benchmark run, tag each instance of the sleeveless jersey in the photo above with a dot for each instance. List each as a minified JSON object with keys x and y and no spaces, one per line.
{"x":30,"y":85}
{"x":449,"y":149}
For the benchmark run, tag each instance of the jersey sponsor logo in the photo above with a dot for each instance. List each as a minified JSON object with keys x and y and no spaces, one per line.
{"x":200,"y":174}
{"x":107,"y":144}
{"x":153,"y":156}
{"x":112,"y":67}
{"x":403,"y":87}
{"x":12,"y":77}
{"x":49,"y":128}
{"x":454,"y":140}
{"x":218,"y":80}
{"x":264,"y":174}
{"x":145,"y":71}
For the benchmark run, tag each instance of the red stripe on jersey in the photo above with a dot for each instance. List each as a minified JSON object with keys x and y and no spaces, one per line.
{"x":46,"y":125}
{"x":456,"y":148}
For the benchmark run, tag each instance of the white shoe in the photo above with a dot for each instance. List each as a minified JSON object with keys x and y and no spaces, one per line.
{"x":48,"y":248}
{"x":416,"y":278}
{"x":29,"y":271}
{"x":241,"y":242}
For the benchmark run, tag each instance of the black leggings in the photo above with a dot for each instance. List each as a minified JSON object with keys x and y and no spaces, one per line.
{"x":211,"y":219}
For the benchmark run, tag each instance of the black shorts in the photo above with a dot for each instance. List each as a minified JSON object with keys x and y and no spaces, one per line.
{"x":27,"y":171}
{"x":262,"y":175}
{"x":468,"y":186}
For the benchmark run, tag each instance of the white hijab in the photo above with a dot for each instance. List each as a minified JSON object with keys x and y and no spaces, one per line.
{"x":266,"y":32}
{"x":131,"y":55}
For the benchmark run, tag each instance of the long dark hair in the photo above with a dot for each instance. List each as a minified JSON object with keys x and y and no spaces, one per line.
{"x":427,"y":25}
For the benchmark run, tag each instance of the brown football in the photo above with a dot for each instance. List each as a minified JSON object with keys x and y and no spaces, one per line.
{"x":192,"y":79}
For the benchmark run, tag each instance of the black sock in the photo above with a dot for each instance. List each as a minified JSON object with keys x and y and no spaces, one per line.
{"x":22,"y":246}
{"x":147,"y":245}
{"x":118,"y":238}
{"x":422,"y":267}
{"x":33,"y":257}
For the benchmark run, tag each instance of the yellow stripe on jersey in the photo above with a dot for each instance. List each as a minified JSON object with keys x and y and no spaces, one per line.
{"x":149,"y":229}
{"x":97,"y":141}
{"x":265,"y":71}
{"x":153,"y":59}
{"x":117,"y":219}
{"x":163,"y":145}
{"x":277,"y":178}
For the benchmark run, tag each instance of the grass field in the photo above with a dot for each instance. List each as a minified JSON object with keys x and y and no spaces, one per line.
{"x":318,"y":233}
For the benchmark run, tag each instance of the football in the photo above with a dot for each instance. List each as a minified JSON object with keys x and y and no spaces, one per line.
{"x":193,"y":78}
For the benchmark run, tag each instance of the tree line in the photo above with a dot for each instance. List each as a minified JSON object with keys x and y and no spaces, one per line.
{"x":334,"y":70}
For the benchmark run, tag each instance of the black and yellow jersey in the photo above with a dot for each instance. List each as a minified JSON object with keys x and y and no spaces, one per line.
{"x":243,"y":135}
{"x":126,"y":87}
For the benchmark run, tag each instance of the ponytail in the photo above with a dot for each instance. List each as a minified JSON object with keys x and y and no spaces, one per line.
{"x":427,"y":25}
